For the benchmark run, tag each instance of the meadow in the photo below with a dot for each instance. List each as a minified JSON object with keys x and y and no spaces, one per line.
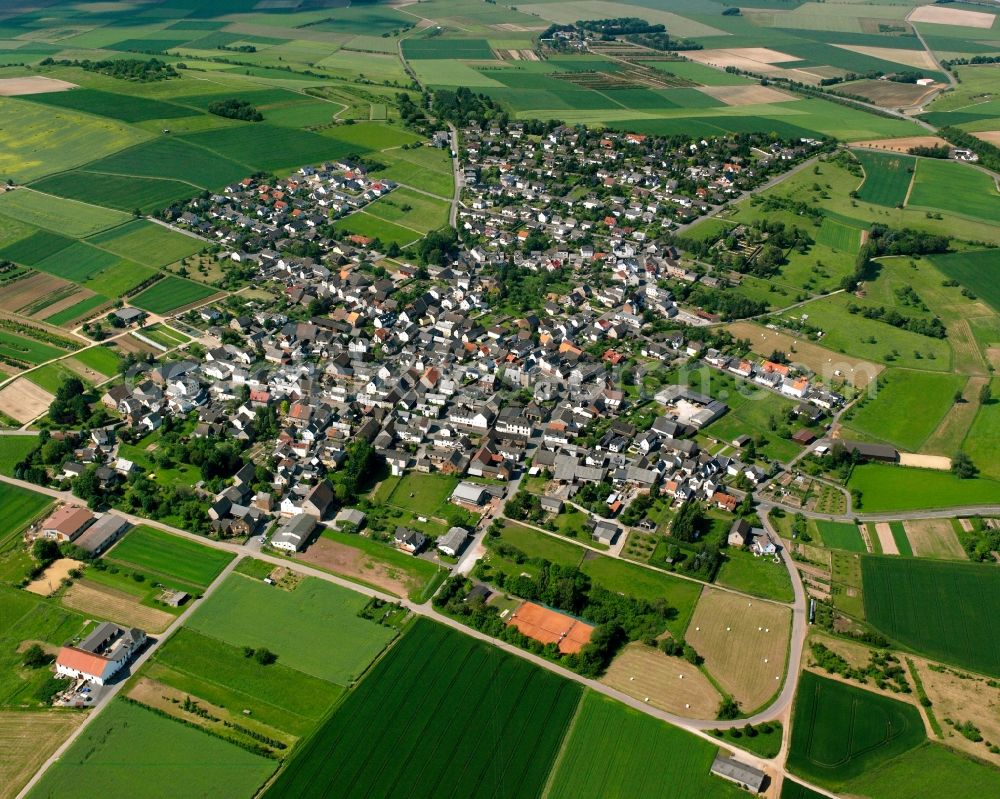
{"x":424,"y":494}
{"x":127,"y":739}
{"x":341,"y":644}
{"x":170,"y":293}
{"x":505,"y":732}
{"x":176,"y":159}
{"x":29,"y":618}
{"x":840,"y":732}
{"x":27,"y":349}
{"x":115,"y":191}
{"x":956,"y":188}
{"x":410,"y":209}
{"x":757,"y":576}
{"x":100,"y":359}
{"x":80,"y":309}
{"x":36,"y":140}
{"x":68,"y":217}
{"x":887,"y":176}
{"x":977,"y":270}
{"x":908,"y":407}
{"x":898,"y":488}
{"x":945,"y":610}
{"x":217,"y":672}
{"x":172,"y":556}
{"x":123,"y":107}
{"x":12,"y":451}
{"x":841,"y":535}
{"x":596,"y":761}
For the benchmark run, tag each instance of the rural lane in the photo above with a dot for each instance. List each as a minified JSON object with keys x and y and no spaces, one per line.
{"x":111,"y":691}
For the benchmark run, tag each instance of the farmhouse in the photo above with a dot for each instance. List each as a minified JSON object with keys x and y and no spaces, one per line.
{"x":67,"y":523}
{"x":102,"y":533}
{"x":453,"y":542}
{"x":743,"y":775}
{"x":293,"y":534}
{"x":100,"y":655}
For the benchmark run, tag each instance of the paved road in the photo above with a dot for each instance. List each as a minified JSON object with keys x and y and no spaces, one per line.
{"x":459,"y":175}
{"x":113,"y":690}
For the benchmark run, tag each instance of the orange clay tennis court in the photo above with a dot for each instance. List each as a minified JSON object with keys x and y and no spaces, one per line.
{"x":550,"y":627}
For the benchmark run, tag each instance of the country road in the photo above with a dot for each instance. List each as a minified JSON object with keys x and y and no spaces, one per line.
{"x":699,"y":727}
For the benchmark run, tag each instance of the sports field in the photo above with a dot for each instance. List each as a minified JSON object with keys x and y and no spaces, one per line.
{"x":505,"y":732}
{"x":613,"y":750}
{"x":170,"y":293}
{"x":891,"y":488}
{"x":887,"y":177}
{"x":126,"y":740}
{"x":945,"y":610}
{"x":341,"y":645}
{"x":840,"y":732}
{"x":172,"y":556}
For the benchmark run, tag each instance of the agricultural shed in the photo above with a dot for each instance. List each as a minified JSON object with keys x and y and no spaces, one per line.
{"x":743,"y":775}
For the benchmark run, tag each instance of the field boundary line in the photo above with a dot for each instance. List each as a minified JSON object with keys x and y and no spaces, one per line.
{"x":564,"y":744}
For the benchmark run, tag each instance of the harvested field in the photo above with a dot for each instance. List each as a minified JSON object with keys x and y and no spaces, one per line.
{"x":747,"y":95}
{"x":27,"y":739}
{"x":990,"y":136}
{"x":53,"y":576}
{"x":23,"y":400}
{"x":668,"y":683}
{"x":902,"y":144}
{"x":352,"y":562}
{"x":925,"y":461}
{"x":856,"y":371}
{"x":891,"y":94}
{"x":741,"y":57}
{"x":937,"y":15}
{"x":550,"y":627}
{"x":116,"y":606}
{"x":744,"y":643}
{"x":885,"y":539}
{"x":934,"y":538}
{"x":35,"y":84}
{"x":919,"y":59}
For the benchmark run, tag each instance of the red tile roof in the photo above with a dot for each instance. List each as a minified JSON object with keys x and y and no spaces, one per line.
{"x":85,"y":662}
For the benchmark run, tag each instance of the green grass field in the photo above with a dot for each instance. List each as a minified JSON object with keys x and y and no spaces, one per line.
{"x":510,"y":721}
{"x":977,"y":270}
{"x":77,"y":310}
{"x":887,"y":177}
{"x":126,"y":739}
{"x":613,"y":750}
{"x":908,"y":407}
{"x":148,"y":243}
{"x":955,"y":188}
{"x":36,"y":140}
{"x":79,"y":262}
{"x":67,"y":217}
{"x":901,"y":539}
{"x":171,"y":293}
{"x":27,"y":349}
{"x":27,"y":617}
{"x":271,"y":147}
{"x":51,"y":376}
{"x":841,"y":535}
{"x":35,"y":247}
{"x":175,"y":159}
{"x":116,"y":191}
{"x":410,"y":209}
{"x":100,"y":359}
{"x":12,"y":451}
{"x":424,"y":494}
{"x":436,"y":47}
{"x":123,"y":107}
{"x":341,"y":645}
{"x":220,"y":673}
{"x":162,"y":334}
{"x":896,"y":488}
{"x":930,"y":771}
{"x":840,"y":732}
{"x":758,"y":576}
{"x":170,"y":555}
{"x":947,"y":611}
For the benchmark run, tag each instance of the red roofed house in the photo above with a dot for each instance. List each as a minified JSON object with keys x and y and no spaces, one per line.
{"x":67,"y":523}
{"x":100,"y":655}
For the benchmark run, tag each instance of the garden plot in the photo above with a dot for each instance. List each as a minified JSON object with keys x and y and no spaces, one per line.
{"x":117,"y":606}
